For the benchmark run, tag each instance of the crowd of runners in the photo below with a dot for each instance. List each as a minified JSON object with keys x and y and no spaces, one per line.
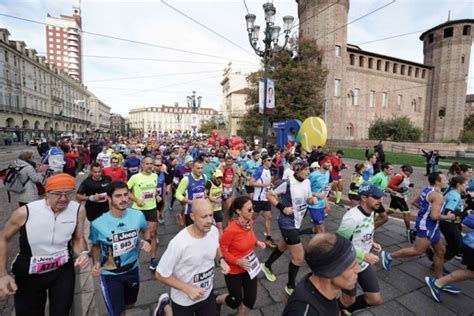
{"x":216,"y":192}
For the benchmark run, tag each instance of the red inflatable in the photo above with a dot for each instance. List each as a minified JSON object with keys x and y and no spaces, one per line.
{"x":214,"y":134}
{"x":211,"y":141}
{"x":222,"y":140}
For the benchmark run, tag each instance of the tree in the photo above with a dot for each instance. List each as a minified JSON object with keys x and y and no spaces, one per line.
{"x":397,"y":128}
{"x":207,"y":126}
{"x":468,"y":134}
{"x":299,"y":78}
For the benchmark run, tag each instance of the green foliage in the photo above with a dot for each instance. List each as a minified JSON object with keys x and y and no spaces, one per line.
{"x":208,"y":126}
{"x":299,"y":80}
{"x":397,"y":129}
{"x":469,"y":122}
{"x":468,"y":135}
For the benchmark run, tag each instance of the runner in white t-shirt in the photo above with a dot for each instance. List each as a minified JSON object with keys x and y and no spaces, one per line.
{"x":187,"y":265}
{"x":104,"y":158}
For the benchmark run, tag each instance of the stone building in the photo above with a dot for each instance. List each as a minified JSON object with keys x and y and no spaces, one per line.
{"x":100,"y":116}
{"x":36,"y":98}
{"x":235,"y":89}
{"x":118,"y":125}
{"x":146,"y":120}
{"x":362,"y":85}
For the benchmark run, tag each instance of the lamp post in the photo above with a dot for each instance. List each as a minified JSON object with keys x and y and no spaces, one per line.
{"x":178,"y":115}
{"x":194,"y":103}
{"x":270,"y":41}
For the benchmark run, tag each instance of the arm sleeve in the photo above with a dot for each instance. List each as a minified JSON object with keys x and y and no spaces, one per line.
{"x":257,"y":174}
{"x":131,"y":183}
{"x":224,"y":243}
{"x":124,"y":176}
{"x":281,"y":188}
{"x":393,"y":184}
{"x":299,"y":308}
{"x":169,"y":259}
{"x":93,"y":235}
{"x":82,"y":188}
{"x":183,"y":185}
{"x":36,"y":177}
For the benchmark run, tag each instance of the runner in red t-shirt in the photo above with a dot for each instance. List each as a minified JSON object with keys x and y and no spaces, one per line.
{"x":228,"y":181}
{"x":336,"y":177}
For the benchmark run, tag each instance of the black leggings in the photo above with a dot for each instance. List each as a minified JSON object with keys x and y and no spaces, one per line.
{"x":453,"y":237}
{"x":204,"y":308}
{"x":30,"y":298}
{"x":235,"y":284}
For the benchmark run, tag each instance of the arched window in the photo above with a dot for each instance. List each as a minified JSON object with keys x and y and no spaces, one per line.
{"x":350,"y":130}
{"x":352,"y":59}
{"x":442,"y":112}
{"x":463,"y":58}
{"x":350,"y":97}
{"x":466,"y":30}
{"x":413,"y":105}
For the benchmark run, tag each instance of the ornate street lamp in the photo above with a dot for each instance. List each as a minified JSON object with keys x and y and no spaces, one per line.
{"x":178,"y":115}
{"x":194,"y":103}
{"x":270,"y":46}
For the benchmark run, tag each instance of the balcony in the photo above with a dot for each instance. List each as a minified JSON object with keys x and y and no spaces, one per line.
{"x":9,"y":108}
{"x":73,"y":43}
{"x":36,"y":112}
{"x":72,"y":66}
{"x":73,"y":50}
{"x":72,"y":31}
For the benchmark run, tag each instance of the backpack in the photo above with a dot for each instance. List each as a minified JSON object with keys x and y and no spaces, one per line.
{"x":12,"y":180}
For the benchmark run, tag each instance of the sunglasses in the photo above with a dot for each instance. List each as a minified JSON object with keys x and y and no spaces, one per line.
{"x":57,"y":194}
{"x":158,"y":165}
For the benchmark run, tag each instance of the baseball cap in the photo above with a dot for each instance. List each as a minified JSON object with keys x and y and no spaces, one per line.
{"x":314,"y":165}
{"x":188,"y":159}
{"x":368,"y":189}
{"x":218,"y":173}
{"x":133,"y":151}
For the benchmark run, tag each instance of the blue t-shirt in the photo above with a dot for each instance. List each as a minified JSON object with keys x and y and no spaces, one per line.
{"x":119,"y":240}
{"x":319,"y":183}
{"x":367,"y":174}
{"x":250,"y":167}
{"x":452,"y":201}
{"x":132,"y":165}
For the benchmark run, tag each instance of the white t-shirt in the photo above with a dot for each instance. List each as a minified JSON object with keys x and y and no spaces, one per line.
{"x":191,"y":261}
{"x":287,"y":173}
{"x":261,"y":176}
{"x":296,"y":198}
{"x":104,"y":159}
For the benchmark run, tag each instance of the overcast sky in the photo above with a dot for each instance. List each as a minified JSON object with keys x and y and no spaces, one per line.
{"x":124,"y":84}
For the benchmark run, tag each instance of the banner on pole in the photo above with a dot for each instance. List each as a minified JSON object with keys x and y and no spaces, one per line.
{"x":270,"y":93}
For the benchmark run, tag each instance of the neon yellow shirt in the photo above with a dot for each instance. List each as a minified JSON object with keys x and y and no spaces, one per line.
{"x":144,"y":187}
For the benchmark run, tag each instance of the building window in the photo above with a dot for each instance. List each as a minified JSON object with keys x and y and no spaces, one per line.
{"x":350,"y":98}
{"x":338,"y":51}
{"x":350,"y":130}
{"x":50,"y":33}
{"x":413,"y":105}
{"x":379,"y":64}
{"x":356,"y":96}
{"x":420,"y":100}
{"x":402,"y":70}
{"x":417,"y":72}
{"x":372,"y":98}
{"x":410,"y":70}
{"x":387,"y":66}
{"x":462,"y":59}
{"x":442,"y":113}
{"x":6,"y":56}
{"x":448,"y":32}
{"x":361,"y":61}
{"x":395,"y":68}
{"x":371,"y":63}
{"x":50,"y":39}
{"x":57,"y":28}
{"x":352,"y":59}
{"x":423,"y":74}
{"x":430,"y":38}
{"x":466,"y":30}
{"x":337,"y":87}
{"x":384,"y":99}
{"x":399,"y":101}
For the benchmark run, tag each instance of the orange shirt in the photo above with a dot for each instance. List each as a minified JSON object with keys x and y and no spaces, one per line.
{"x":236,"y":243}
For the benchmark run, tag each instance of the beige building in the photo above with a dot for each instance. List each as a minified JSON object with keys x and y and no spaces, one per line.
{"x":118,"y":125}
{"x":99,"y":115}
{"x":36,"y":98}
{"x":234,"y":94}
{"x":362,"y":85}
{"x":167,"y":119}
{"x":469,"y":109}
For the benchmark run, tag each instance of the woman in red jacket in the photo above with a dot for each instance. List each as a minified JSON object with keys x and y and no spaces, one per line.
{"x":237,"y":244}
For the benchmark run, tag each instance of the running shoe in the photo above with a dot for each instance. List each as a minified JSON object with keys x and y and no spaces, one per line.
{"x":180,"y":220}
{"x":289,"y":290}
{"x":386,"y":260}
{"x":412,"y":236}
{"x":153,"y":264}
{"x":434,"y":289}
{"x":458,"y":257}
{"x":161,"y":220}
{"x":269,"y":243}
{"x":268,"y":273}
{"x":451,"y":289}
{"x":162,"y":302}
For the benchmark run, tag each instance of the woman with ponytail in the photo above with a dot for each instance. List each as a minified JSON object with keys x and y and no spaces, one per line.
{"x":237,"y":244}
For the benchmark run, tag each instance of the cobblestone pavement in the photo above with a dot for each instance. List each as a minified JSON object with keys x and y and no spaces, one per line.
{"x":403,"y":288}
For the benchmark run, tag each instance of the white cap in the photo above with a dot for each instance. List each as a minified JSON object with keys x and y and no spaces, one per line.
{"x":314,"y":165}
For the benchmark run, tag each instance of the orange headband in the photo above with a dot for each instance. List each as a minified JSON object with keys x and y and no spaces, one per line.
{"x":61,"y":181}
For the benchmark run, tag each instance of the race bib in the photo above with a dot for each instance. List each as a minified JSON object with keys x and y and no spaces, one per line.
{"x":205,"y":279}
{"x":124,"y":242}
{"x":148,"y":195}
{"x":102,"y":197}
{"x":254,"y":264}
{"x":199,"y":195}
{"x":158,"y":191}
{"x":133,"y":169}
{"x":43,"y":264}
{"x":299,"y":210}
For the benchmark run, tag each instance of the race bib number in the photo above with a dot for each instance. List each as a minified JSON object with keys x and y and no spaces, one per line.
{"x":227,"y":190}
{"x":199,"y":195}
{"x":133,"y":169}
{"x":299,"y":210}
{"x":148,"y":195}
{"x":158,"y":191}
{"x":205,"y":279}
{"x":124,"y":242}
{"x":102,"y":197}
{"x":43,"y":264}
{"x":254,"y":265}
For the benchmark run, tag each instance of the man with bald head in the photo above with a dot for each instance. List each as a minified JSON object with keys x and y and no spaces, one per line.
{"x":187,"y":265}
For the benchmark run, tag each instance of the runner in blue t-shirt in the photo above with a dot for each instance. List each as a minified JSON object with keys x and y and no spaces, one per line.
{"x":132,"y":164}
{"x":116,"y":241}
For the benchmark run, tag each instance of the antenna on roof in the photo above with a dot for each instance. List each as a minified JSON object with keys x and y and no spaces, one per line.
{"x":449,"y":15}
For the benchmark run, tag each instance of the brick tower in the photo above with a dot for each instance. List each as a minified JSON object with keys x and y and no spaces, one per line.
{"x":447,"y":48}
